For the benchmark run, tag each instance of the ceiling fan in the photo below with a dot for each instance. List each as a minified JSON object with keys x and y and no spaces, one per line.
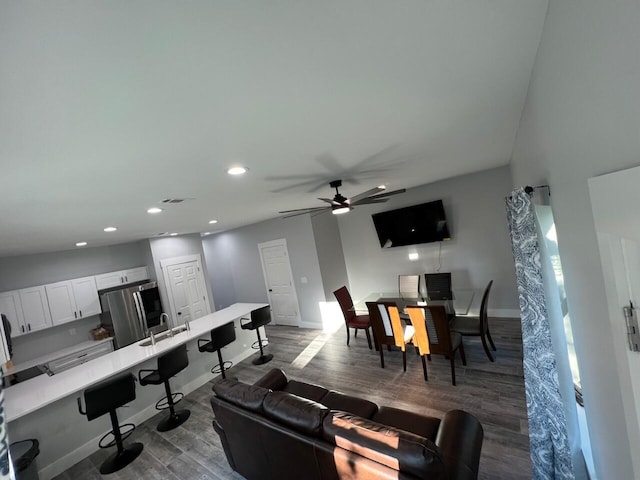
{"x":340,"y":204}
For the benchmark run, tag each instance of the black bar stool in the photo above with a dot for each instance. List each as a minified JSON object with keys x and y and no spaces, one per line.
{"x":220,"y":337}
{"x":103,"y":398}
{"x":259,"y":318}
{"x":169,"y":365}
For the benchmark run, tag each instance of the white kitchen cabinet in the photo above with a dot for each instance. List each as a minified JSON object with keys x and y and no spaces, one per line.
{"x":35,"y":308}
{"x":10,"y":305}
{"x":135,"y":274}
{"x":85,"y":292}
{"x":116,"y":279}
{"x":73,"y":299}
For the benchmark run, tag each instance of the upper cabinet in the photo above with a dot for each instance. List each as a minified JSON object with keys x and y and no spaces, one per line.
{"x":116,"y":279}
{"x":35,"y":308}
{"x":73,"y":299}
{"x":85,"y":292}
{"x":10,"y":305}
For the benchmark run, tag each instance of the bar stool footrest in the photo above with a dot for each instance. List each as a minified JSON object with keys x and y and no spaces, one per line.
{"x":126,"y":429}
{"x":163,"y":403}
{"x":227,"y":365}
{"x":256,"y":345}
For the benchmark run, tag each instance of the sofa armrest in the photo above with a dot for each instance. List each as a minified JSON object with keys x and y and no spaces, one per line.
{"x":460,"y":442}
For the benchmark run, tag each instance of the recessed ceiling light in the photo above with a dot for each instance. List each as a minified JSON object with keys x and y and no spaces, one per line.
{"x":81,"y":244}
{"x":213,"y":221}
{"x":204,"y":234}
{"x":154,"y":210}
{"x":110,"y":229}
{"x":173,"y":234}
{"x":237,"y":170}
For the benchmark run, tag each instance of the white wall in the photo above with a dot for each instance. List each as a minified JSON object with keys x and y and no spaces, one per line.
{"x":582,"y":119}
{"x":233,"y":257}
{"x":480,"y":249}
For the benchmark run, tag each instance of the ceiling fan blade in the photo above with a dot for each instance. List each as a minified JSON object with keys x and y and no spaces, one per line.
{"x":304,"y":210}
{"x":388,"y":194}
{"x":366,"y":194}
{"x":366,"y":201}
{"x":328,"y":200}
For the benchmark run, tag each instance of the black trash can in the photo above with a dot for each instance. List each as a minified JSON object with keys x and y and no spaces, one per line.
{"x":23,"y":457}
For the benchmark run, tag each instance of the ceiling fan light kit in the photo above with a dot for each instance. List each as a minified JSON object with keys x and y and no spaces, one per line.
{"x":340,"y":204}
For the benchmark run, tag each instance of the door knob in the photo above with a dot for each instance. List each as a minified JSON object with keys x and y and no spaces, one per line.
{"x":179,"y":313}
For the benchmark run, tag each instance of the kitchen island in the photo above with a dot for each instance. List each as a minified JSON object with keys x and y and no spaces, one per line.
{"x":45,"y":407}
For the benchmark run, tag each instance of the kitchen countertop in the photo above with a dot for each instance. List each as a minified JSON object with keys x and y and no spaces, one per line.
{"x":35,"y":393}
{"x":18,"y":367}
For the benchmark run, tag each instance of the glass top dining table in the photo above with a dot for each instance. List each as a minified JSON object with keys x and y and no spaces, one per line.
{"x":458,"y":305}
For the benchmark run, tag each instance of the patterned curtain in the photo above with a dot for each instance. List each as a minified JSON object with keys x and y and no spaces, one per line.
{"x":548,"y":439}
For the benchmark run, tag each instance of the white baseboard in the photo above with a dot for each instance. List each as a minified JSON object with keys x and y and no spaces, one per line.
{"x":56,"y":468}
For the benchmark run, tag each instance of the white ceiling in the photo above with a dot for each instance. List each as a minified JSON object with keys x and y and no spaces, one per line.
{"x":106,"y":108}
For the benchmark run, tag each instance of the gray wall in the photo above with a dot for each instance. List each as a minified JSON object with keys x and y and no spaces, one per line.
{"x":32,"y":270}
{"x":582,"y":119}
{"x":480,"y":249}
{"x":330,"y":255}
{"x":233,"y":257}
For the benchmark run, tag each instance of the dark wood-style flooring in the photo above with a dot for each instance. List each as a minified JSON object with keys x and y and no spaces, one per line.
{"x":493,"y":392}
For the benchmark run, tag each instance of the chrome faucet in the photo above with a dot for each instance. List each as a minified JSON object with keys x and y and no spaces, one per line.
{"x":166,"y":322}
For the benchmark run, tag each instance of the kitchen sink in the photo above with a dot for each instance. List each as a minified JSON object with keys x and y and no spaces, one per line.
{"x":163,"y":335}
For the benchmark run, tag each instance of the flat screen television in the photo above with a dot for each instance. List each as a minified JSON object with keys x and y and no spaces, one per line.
{"x":422,"y":223}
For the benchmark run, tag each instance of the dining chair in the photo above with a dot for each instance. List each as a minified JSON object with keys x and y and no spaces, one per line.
{"x":433,"y":336}
{"x":477,"y":326}
{"x":438,"y":286}
{"x":409,"y":285}
{"x":351,"y":320}
{"x":388,"y":329}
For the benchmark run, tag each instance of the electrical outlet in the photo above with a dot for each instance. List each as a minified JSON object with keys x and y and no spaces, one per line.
{"x":72,"y":331}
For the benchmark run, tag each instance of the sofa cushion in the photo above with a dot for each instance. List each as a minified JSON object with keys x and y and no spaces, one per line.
{"x":241,"y":394}
{"x":300,"y":414}
{"x":274,"y":379}
{"x":422,"y":425}
{"x":395,"y":448}
{"x":348,"y":403}
{"x":305,"y":390}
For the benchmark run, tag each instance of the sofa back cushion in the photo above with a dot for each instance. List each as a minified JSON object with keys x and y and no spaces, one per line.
{"x":397,"y":449}
{"x":305,"y":390}
{"x":300,"y":414}
{"x":350,"y":404}
{"x":240,"y":394}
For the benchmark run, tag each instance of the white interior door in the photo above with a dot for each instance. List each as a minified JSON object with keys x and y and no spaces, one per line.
{"x":279,"y":283}
{"x":616,"y":205}
{"x":186,"y":288}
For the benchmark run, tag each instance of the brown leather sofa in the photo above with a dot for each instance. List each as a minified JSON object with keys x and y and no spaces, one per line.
{"x":284,"y":429}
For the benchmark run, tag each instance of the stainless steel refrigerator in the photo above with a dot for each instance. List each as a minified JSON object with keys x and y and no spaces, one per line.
{"x":131,"y":313}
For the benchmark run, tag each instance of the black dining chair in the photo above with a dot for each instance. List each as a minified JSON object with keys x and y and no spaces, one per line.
{"x":477,"y":326}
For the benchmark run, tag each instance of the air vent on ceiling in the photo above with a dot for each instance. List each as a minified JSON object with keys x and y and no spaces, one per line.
{"x":173,"y":200}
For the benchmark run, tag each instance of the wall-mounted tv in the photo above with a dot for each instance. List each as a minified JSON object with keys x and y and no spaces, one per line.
{"x":422,"y":223}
